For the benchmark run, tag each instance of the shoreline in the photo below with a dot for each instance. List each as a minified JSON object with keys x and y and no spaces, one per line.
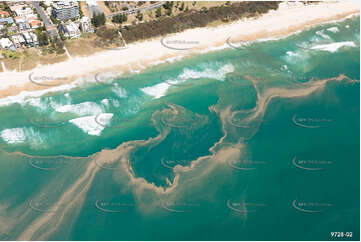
{"x":143,"y":54}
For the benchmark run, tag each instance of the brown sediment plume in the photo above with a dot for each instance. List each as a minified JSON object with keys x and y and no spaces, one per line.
{"x":221,"y":151}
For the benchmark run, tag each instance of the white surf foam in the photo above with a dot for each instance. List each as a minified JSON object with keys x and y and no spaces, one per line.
{"x":21,"y":135}
{"x":119,"y":91}
{"x":13,"y":136}
{"x":25,"y":95}
{"x":105,"y":102}
{"x":156,"y":91}
{"x":159,"y":90}
{"x":333,"y":29}
{"x":334,"y":46}
{"x":90,"y":126}
{"x":85,"y":108}
{"x":322,"y":34}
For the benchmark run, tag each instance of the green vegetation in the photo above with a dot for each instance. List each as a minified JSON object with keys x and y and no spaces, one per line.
{"x":120,"y":18}
{"x":139,"y":16}
{"x":8,"y":54}
{"x":43,"y":5}
{"x":54,"y":20}
{"x":193,"y":19}
{"x":43,"y":37}
{"x":107,"y":37}
{"x":158,"y":12}
{"x":98,"y":20}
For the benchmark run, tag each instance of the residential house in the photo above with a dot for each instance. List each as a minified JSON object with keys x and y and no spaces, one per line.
{"x":35,"y":24}
{"x":5,"y":21}
{"x":4,"y":14}
{"x":24,"y":26}
{"x":18,"y":40}
{"x":6,"y":44}
{"x":28,"y":39}
{"x":70,"y":30}
{"x":85,"y":24}
{"x":34,"y":38}
{"x":13,"y":28}
{"x":13,"y":3}
{"x":21,"y":10}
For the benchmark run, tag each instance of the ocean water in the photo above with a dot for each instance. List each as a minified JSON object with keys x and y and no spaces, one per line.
{"x":257,"y":141}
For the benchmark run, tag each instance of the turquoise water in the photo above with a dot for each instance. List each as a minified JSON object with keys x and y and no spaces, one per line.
{"x":255,"y":142}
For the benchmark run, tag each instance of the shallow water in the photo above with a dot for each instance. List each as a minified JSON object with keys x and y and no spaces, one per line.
{"x":256,"y":142}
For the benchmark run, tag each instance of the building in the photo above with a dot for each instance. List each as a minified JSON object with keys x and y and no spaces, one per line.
{"x":6,"y":44}
{"x":93,"y":7}
{"x":64,"y":10}
{"x":85,"y":24}
{"x":19,"y":19}
{"x":48,"y":2}
{"x":21,"y":10}
{"x":24,"y":26}
{"x":4,"y":14}
{"x":28,"y":39}
{"x":13,"y":3}
{"x":7,"y":20}
{"x":13,"y":29}
{"x":34,"y":38}
{"x":17,"y":6}
{"x":18,"y":40}
{"x":35,"y":24}
{"x":70,"y":30}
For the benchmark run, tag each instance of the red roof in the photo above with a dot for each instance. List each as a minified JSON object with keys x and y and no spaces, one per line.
{"x":4,"y":13}
{"x":35,"y":23}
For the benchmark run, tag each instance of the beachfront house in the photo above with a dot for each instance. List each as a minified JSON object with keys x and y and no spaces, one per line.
{"x":70,"y":30}
{"x":34,"y":38}
{"x":18,"y":40}
{"x":6,"y":44}
{"x":85,"y":24}
{"x":28,"y":39}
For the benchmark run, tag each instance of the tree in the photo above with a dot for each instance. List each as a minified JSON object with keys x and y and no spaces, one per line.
{"x":98,"y":20}
{"x":139,"y":16}
{"x":62,"y":36}
{"x":120,"y":18}
{"x":81,"y":14}
{"x":43,"y":38}
{"x":43,"y":5}
{"x":140,"y":3}
{"x":158,"y":12}
{"x":182,"y":7}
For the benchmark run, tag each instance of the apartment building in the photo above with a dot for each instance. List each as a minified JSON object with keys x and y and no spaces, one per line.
{"x":64,"y":10}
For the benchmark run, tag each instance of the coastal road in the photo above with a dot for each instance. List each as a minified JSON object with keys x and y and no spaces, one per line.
{"x":135,"y":10}
{"x":50,"y":27}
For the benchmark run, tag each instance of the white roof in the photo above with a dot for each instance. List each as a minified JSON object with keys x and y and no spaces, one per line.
{"x":5,"y":43}
{"x":91,"y":3}
{"x":35,"y":38}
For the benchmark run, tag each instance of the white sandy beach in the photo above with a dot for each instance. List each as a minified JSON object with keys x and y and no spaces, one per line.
{"x":275,"y":24}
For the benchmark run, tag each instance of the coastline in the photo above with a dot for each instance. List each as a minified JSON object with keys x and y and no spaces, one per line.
{"x":140,"y":55}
